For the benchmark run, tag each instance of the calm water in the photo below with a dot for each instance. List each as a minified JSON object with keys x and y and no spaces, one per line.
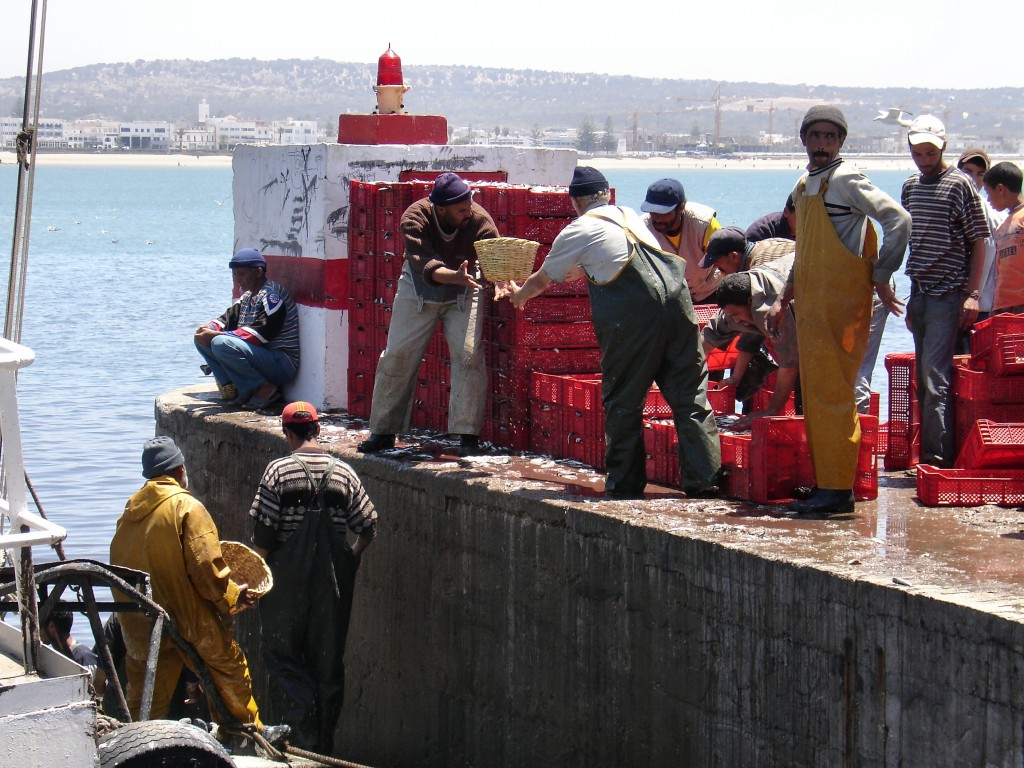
{"x":125,"y":262}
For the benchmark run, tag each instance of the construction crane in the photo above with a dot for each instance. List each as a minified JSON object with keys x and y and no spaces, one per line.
{"x":716,"y":99}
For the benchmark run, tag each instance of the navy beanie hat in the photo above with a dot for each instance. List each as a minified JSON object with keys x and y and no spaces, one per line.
{"x":449,"y":188}
{"x":159,"y":456}
{"x":587,"y":181}
{"x":248,"y":257}
{"x":824,"y":113}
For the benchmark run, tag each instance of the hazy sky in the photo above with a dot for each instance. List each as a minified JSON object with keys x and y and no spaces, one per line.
{"x":871,"y":43}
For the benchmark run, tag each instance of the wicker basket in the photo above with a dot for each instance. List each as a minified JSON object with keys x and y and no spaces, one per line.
{"x":247,"y":567}
{"x":506,"y":258}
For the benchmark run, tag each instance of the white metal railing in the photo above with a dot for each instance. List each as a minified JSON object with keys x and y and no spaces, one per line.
{"x":14,"y":508}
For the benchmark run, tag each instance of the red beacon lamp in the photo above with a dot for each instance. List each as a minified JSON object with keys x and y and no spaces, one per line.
{"x":390,"y":87}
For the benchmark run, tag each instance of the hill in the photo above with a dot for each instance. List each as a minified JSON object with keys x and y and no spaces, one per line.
{"x":521,"y":100}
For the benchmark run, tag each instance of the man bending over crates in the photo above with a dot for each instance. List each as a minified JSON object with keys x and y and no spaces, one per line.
{"x":745,"y":299}
{"x":438,"y":284}
{"x":647,"y":333}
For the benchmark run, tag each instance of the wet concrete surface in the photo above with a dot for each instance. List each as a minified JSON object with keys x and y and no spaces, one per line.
{"x":974,"y":551}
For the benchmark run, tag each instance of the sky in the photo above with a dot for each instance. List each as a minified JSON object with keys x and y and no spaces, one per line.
{"x":871,"y":43}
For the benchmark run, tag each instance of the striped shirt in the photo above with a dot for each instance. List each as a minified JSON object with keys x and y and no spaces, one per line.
{"x":948,"y":218}
{"x":268,"y":317}
{"x":284,"y":496}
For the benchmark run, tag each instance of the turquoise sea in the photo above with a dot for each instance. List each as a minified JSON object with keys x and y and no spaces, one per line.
{"x":126,"y":261}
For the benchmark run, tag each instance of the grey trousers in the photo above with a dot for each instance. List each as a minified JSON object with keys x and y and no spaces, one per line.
{"x":413,"y":322}
{"x":935,"y":326}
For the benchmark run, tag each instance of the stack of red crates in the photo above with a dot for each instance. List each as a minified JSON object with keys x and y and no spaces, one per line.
{"x":375,"y":262}
{"x":567,"y":416}
{"x":989,"y":389}
{"x":767,"y":465}
{"x":553,"y":334}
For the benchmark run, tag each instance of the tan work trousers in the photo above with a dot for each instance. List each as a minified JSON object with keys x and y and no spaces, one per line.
{"x":413,"y":322}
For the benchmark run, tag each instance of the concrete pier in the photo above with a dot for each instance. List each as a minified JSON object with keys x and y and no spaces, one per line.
{"x":502,"y":620}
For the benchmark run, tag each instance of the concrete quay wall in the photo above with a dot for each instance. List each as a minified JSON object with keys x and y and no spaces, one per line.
{"x":501,"y":623}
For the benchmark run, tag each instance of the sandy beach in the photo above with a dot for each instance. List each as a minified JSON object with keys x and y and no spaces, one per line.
{"x":797,"y":163}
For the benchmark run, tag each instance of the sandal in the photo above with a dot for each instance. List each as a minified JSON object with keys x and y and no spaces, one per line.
{"x":257,"y":403}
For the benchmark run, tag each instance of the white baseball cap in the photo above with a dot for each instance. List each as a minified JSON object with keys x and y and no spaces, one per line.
{"x":927,"y":129}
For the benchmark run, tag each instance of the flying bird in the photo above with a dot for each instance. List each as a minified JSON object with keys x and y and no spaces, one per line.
{"x":895,"y":116}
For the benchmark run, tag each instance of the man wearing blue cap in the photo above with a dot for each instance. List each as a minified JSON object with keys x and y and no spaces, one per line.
{"x":253,"y":348}
{"x":683,"y":228}
{"x":439,"y":284}
{"x":647,"y":332}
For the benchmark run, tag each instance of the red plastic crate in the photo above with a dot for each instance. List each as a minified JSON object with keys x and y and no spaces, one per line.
{"x":546,"y":309}
{"x":883,"y":439}
{"x":397,"y":195}
{"x":903,"y":446}
{"x":543,"y":230}
{"x":361,"y":288}
{"x":704,"y":312}
{"x":515,"y":436}
{"x":360,"y":391}
{"x":386,"y":290}
{"x":986,"y":338}
{"x":736,"y":464}
{"x":359,"y":194}
{"x":388,"y":241}
{"x":763,"y":398}
{"x":389,"y":266}
{"x":968,"y":412}
{"x":546,"y":428}
{"x":505,"y":358}
{"x":969,"y":487}
{"x":582,"y":391}
{"x":589,"y":450}
{"x":982,"y":386}
{"x":549,"y":201}
{"x":993,"y":446}
{"x":722,"y":359}
{"x":518,"y":332}
{"x":501,"y":200}
{"x":661,"y":445}
{"x":387,"y":219}
{"x":781,"y":461}
{"x":721,"y":399}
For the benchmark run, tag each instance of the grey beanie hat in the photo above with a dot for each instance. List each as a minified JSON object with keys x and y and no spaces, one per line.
{"x":824,"y":113}
{"x":159,"y":456}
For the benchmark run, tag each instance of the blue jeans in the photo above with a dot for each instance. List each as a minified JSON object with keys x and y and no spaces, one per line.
{"x":935,"y":325}
{"x":247,"y":366}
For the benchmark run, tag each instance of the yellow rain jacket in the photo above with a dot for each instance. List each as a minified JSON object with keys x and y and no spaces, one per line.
{"x":166,"y":532}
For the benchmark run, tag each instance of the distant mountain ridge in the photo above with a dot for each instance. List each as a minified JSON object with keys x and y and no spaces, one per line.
{"x":487,"y":98}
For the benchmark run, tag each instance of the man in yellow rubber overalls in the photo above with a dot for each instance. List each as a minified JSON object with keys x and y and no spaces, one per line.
{"x":833,"y":279}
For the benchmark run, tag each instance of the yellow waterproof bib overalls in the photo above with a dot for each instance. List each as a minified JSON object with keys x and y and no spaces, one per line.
{"x":833,"y":292}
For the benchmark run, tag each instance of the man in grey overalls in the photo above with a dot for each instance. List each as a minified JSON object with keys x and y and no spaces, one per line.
{"x":647,"y":332}
{"x":438,"y":284}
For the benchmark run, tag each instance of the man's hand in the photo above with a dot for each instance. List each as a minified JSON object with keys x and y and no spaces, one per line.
{"x":888,"y":297}
{"x":245,"y":599}
{"x":742,"y":424}
{"x":773,"y":318}
{"x":969,"y":312}
{"x":503,"y":289}
{"x":204,"y":335}
{"x":460,"y":276}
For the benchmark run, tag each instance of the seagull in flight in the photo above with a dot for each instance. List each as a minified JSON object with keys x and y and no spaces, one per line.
{"x":894,"y":116}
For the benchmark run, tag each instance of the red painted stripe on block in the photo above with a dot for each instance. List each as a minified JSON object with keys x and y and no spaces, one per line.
{"x":312,"y":282}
